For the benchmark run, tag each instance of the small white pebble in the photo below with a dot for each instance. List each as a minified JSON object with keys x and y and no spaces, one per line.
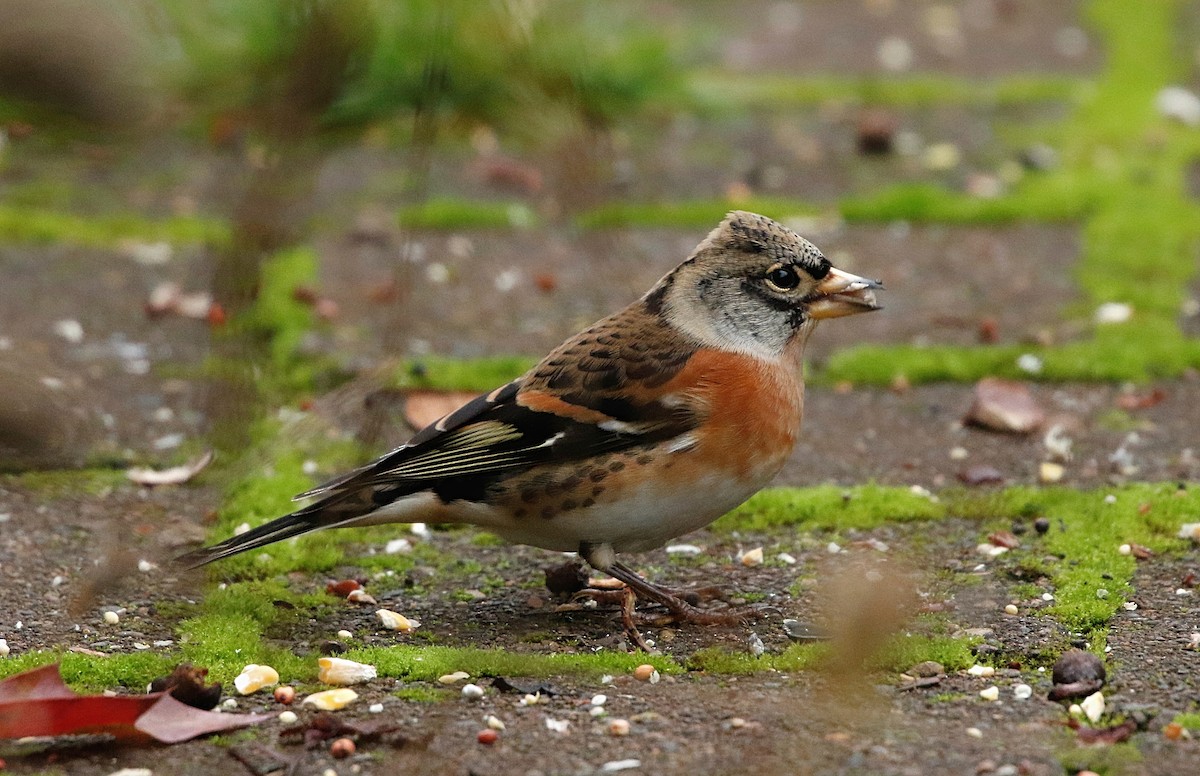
{"x":397,"y":546}
{"x":974,"y":732}
{"x":310,"y":467}
{"x":1182,"y":591}
{"x":1110,"y":499}
{"x":241,"y":529}
{"x":1101,"y":593}
{"x":58,"y":580}
{"x":375,"y":708}
{"x":345,"y":634}
{"x":1030,"y":364}
{"x":958,"y":453}
{"x":1050,"y":472}
{"x":145,"y":566}
{"x":990,"y":693}
{"x":1130,"y":606}
{"x":833,"y":548}
{"x":606,"y":679}
{"x":4,"y":649}
{"x":229,"y":703}
{"x":894,"y":54}
{"x":507,"y":280}
{"x":1075,"y":710}
{"x":618,"y":727}
{"x":287,"y":717}
{"x":1047,"y":596}
{"x":557,"y":725}
{"x":437,"y":272}
{"x":1010,"y":609}
{"x":613,"y":766}
{"x":70,"y":330}
{"x":111,"y":617}
{"x":530,"y":699}
{"x":787,"y":558}
{"x":472,"y":692}
{"x":453,"y":678}
{"x":684,"y":549}
{"x":1113,"y":312}
{"x":494,"y":722}
{"x":597,"y":711}
{"x":421,"y":530}
{"x":1125,"y":549}
{"x":1022,"y":692}
{"x":599,"y":700}
{"x":737,"y":722}
{"x":984,"y":671}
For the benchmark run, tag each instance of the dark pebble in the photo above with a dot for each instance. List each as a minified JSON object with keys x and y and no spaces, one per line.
{"x":1041,"y":525}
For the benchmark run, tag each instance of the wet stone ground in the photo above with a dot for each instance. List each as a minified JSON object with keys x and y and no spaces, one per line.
{"x":126,"y":387}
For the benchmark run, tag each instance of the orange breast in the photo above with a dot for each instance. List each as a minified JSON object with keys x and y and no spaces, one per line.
{"x":755,"y":409}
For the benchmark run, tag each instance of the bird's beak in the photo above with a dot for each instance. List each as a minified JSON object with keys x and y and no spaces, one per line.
{"x":841,"y":293}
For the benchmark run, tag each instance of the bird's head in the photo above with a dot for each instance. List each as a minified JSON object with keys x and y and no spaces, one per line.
{"x":754,"y":286}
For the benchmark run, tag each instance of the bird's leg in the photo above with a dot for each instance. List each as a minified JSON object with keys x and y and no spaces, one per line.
{"x":602,"y":558}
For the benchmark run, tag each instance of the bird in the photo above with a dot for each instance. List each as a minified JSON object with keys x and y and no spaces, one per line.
{"x":648,"y":424}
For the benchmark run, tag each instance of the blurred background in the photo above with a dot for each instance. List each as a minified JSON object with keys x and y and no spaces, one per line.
{"x":212,"y":209}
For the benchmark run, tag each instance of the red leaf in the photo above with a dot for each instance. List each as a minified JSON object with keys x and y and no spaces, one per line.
{"x":37,"y":703}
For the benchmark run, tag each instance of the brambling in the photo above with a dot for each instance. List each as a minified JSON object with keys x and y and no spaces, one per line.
{"x":650,"y":423}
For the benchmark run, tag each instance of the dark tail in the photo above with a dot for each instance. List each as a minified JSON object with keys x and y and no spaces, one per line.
{"x":309,"y":518}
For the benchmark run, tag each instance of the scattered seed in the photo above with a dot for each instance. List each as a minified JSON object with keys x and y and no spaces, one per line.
{"x":599,"y":700}
{"x":618,"y":727}
{"x":684,"y":549}
{"x":375,"y":708}
{"x":361,"y":596}
{"x":974,"y":732}
{"x":557,"y":725}
{"x":111,"y":617}
{"x":254,"y":678}
{"x":983,"y":671}
{"x":1093,"y":706}
{"x":229,"y":703}
{"x":341,"y":748}
{"x":597,"y":711}
{"x":472,"y":692}
{"x":331,"y":700}
{"x":336,"y":670}
{"x":494,"y":722}
{"x":1022,"y":692}
{"x":288,"y":717}
{"x":396,"y":621}
{"x":990,"y":693}
{"x":751,"y":557}
{"x":453,"y":678}
{"x":646,"y":673}
{"x":4,"y":649}
{"x":1051,"y":472}
{"x":1172,"y":731}
{"x":487,"y":737}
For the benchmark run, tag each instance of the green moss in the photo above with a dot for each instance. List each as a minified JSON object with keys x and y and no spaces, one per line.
{"x":88,"y":674}
{"x":904,"y":650}
{"x":447,"y":374}
{"x":1189,"y":720}
{"x":1114,"y":760}
{"x":827,"y":506}
{"x":424,"y":694}
{"x":797,"y":657}
{"x":66,"y":482}
{"x":450,"y":213}
{"x":428,"y":663}
{"x":34,"y":225}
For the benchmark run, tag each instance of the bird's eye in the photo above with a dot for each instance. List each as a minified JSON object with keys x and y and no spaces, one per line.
{"x":783,"y":277}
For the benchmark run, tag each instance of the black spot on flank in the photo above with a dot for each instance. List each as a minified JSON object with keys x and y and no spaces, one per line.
{"x":587,"y":502}
{"x":548,"y":512}
{"x":519,"y":513}
{"x":561,"y":379}
{"x":528,"y":496}
{"x":644,"y":459}
{"x":596,"y":491}
{"x":598,"y":475}
{"x":616,"y":466}
{"x":569,"y":504}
